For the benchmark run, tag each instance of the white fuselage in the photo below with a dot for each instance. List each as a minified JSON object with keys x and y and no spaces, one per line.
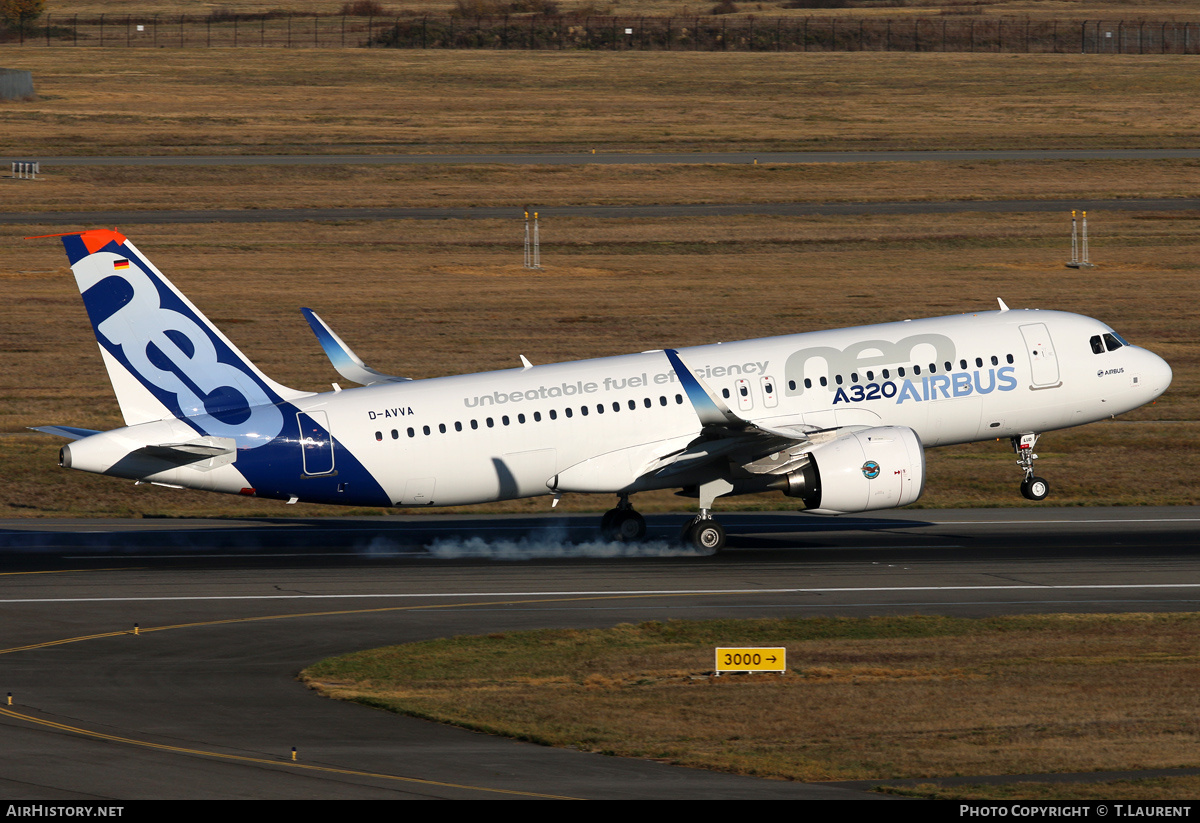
{"x":497,"y":435}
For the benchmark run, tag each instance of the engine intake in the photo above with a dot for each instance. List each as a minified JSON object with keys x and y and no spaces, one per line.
{"x":877,"y":468}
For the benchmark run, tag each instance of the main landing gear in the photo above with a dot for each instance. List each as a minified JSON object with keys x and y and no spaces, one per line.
{"x":1032,"y":488}
{"x":623,"y":523}
{"x":626,"y":525}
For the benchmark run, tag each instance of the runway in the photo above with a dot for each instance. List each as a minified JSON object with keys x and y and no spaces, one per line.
{"x":201,"y":702}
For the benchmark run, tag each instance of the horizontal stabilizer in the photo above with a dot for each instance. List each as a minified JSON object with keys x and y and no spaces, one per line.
{"x":69,"y":432}
{"x":348,"y":364}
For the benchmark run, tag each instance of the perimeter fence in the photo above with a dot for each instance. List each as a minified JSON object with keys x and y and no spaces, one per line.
{"x":721,"y":33}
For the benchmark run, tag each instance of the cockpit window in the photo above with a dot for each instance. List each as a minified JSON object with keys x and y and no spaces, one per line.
{"x":1112,"y":341}
{"x":1097,"y":344}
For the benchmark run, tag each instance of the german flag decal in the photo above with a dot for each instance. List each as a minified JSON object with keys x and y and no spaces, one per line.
{"x":118,"y":265}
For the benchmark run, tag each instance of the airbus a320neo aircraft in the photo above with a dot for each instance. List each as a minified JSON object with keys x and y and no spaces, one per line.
{"x":839,"y":419}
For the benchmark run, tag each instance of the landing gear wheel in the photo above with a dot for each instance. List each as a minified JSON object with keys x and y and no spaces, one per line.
{"x":624,"y":525}
{"x":1035,"y":488}
{"x":706,"y":535}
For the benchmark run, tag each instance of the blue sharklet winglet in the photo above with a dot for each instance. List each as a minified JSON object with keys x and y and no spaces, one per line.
{"x":348,"y":364}
{"x":717,"y":418}
{"x":711,"y":410}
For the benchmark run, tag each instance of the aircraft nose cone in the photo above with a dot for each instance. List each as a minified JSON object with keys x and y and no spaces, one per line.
{"x":1158,"y":374}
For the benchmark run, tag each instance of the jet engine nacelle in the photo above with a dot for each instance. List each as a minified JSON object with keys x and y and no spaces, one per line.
{"x":877,"y":468}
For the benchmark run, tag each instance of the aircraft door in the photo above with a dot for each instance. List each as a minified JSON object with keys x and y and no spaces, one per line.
{"x":316,"y":443}
{"x":1043,"y":363}
{"x":770,"y":399}
{"x":744,"y":398}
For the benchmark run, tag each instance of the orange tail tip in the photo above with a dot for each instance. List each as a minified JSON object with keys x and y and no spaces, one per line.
{"x":93,"y":239}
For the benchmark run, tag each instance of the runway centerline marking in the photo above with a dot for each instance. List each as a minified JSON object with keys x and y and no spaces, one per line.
{"x":264,"y":760}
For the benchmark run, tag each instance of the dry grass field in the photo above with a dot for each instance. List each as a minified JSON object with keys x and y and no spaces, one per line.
{"x":1110,"y":9}
{"x":430,"y":298}
{"x":272,"y":101}
{"x":876,"y":699}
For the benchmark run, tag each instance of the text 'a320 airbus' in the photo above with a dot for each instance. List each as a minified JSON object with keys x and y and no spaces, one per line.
{"x":839,"y":419}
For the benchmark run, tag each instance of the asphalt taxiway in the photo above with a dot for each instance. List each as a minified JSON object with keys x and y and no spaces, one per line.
{"x":201,"y":701}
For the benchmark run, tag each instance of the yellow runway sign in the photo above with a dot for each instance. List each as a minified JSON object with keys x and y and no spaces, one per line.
{"x":751,"y":660}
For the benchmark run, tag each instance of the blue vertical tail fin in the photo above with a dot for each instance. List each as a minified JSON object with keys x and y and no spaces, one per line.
{"x":164,"y":357}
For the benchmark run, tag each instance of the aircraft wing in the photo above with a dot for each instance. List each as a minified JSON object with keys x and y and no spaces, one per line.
{"x":348,"y":364}
{"x":727,"y":436}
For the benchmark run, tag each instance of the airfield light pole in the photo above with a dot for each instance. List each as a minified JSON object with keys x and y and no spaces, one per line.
{"x":1079,"y":252}
{"x":533,"y":251}
{"x":527,"y":260}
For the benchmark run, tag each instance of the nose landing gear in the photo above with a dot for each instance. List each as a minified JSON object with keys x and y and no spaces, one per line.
{"x":1032,"y":488}
{"x":704,"y":533}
